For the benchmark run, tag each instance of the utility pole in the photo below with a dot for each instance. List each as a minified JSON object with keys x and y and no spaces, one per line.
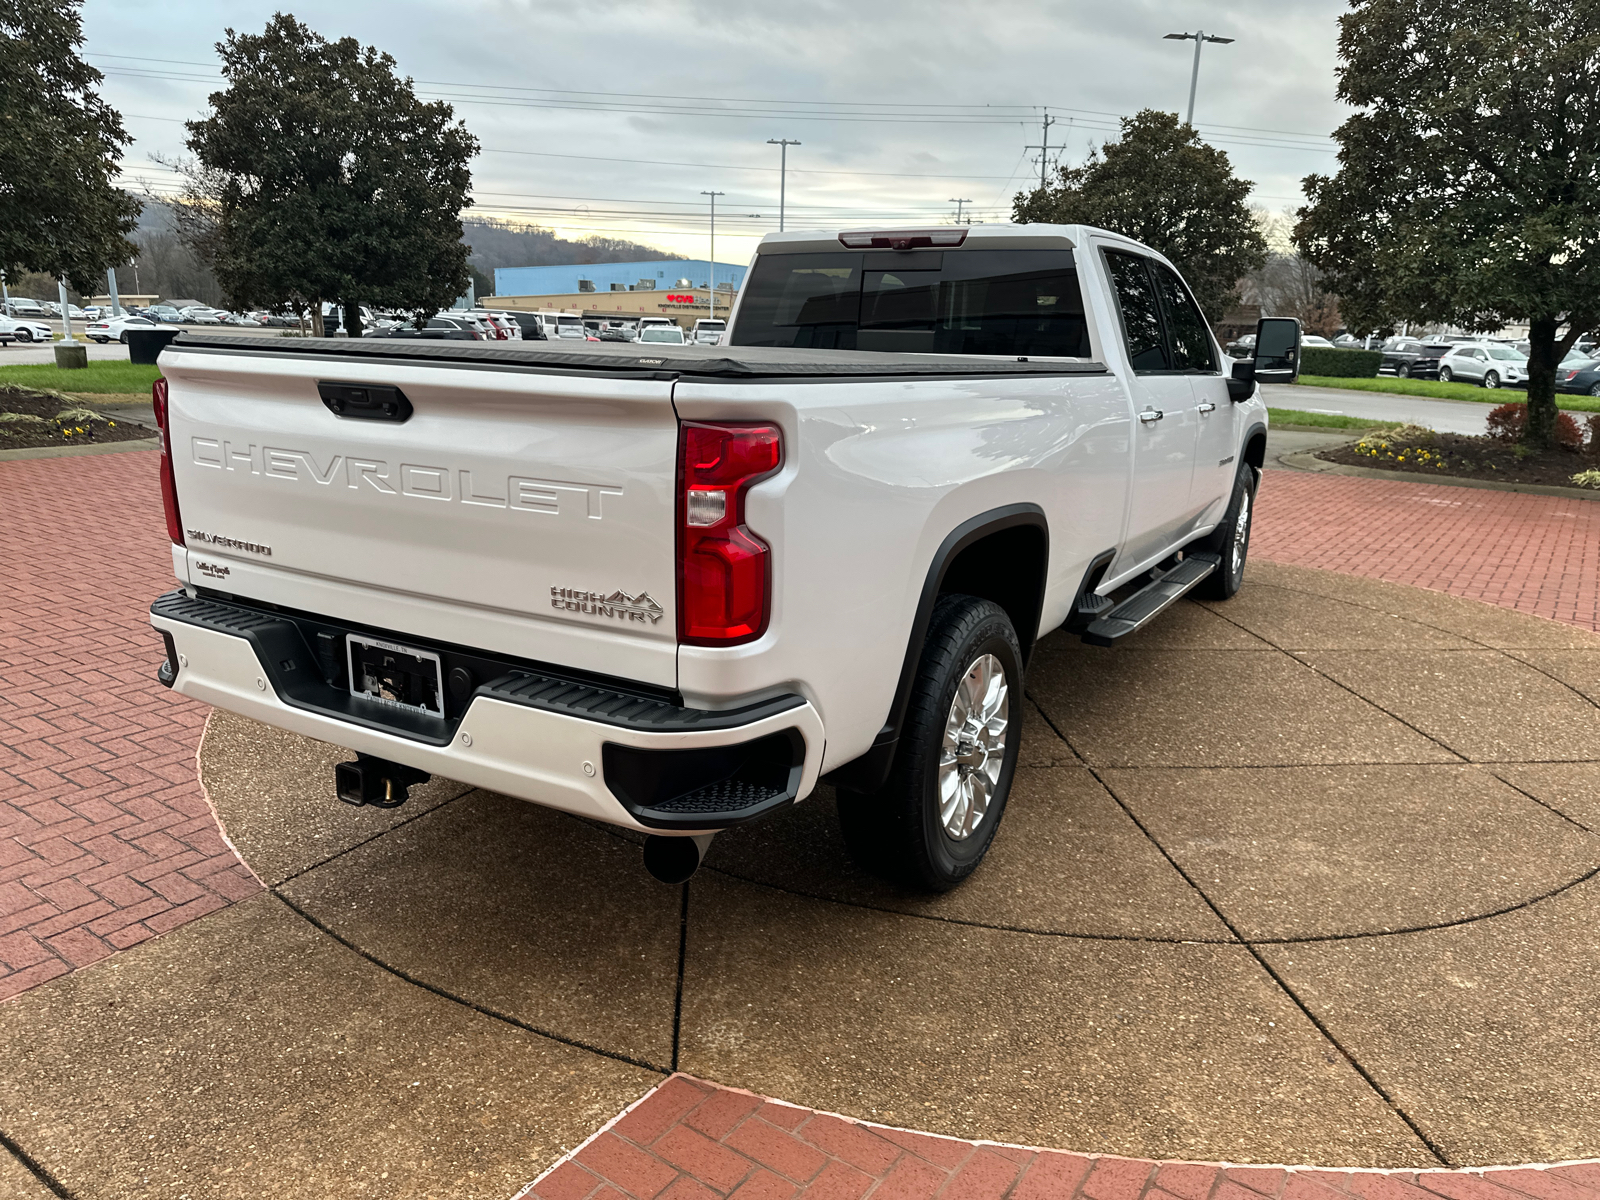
{"x":1199,"y":37}
{"x":783,"y":171}
{"x":958,"y":204}
{"x":1044,"y":150}
{"x":711,"y":286}
{"x":5,"y":296}
{"x":66,"y":314}
{"x":111,"y":290}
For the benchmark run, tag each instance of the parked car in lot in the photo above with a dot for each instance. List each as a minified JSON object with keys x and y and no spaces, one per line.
{"x":21,"y":306}
{"x":24,"y":330}
{"x":201,"y":315}
{"x":708,"y":332}
{"x":115,"y":329}
{"x":1414,"y":358}
{"x":1487,"y":363}
{"x":673,"y":591}
{"x":1312,"y":339}
{"x":1579,"y":374}
{"x":665,"y":335}
{"x":454,"y":328}
{"x":165,"y":312}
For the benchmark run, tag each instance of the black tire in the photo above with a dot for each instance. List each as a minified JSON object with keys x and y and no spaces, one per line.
{"x":1446,"y":374}
{"x":1230,"y":540}
{"x":1594,"y":389}
{"x":123,"y":339}
{"x":24,"y":335}
{"x":1403,"y":371}
{"x":1491,"y":379}
{"x":897,"y":832}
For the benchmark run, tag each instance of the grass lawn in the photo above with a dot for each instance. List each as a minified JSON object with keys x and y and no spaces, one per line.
{"x":1434,"y":390}
{"x":1316,"y":420}
{"x":100,"y":378}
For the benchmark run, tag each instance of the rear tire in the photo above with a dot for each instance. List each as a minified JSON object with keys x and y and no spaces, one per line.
{"x":1230,"y":541}
{"x":1594,"y":389}
{"x":932,"y":822}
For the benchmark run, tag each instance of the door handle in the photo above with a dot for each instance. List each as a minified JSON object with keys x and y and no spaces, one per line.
{"x":1207,"y":406}
{"x":1151,"y":414}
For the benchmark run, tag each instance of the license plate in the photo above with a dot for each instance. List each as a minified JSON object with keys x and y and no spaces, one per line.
{"x":399,"y":676}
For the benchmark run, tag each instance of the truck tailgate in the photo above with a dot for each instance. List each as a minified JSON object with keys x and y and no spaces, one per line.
{"x":517,"y":511}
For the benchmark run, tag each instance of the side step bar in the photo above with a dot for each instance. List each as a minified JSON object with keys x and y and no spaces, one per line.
{"x":1140,"y":608}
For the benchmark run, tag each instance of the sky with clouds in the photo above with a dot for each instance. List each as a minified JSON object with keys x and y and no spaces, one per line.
{"x":613,"y":116}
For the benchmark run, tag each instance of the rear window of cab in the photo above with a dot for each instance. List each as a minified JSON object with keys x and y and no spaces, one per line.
{"x":1022,"y":303}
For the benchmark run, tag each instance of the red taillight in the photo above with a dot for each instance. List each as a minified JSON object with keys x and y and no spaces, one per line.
{"x":723,"y":568}
{"x":169,"y":486}
{"x":1571,"y":375}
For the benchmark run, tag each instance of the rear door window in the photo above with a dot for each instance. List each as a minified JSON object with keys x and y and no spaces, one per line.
{"x":1189,"y":335}
{"x":1023,"y":303}
{"x":1141,"y":312}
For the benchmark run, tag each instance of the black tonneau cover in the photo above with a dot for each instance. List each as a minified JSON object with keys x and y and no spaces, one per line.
{"x":707,"y":362}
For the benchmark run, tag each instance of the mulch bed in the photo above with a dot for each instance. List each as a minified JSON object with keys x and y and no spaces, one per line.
{"x":1425,"y":452}
{"x":29,"y":419}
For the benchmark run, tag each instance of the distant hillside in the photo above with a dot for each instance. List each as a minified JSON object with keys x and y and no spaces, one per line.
{"x":504,"y":244}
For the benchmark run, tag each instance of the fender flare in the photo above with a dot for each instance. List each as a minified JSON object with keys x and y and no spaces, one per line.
{"x":869,"y":771}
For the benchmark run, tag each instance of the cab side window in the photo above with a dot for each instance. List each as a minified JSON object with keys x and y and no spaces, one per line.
{"x":1141,"y":312}
{"x":1190,"y":336}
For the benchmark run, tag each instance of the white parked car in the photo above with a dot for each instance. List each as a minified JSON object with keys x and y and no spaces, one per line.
{"x":708,"y":332}
{"x":115,"y":329}
{"x":201,"y":315}
{"x":22,"y":306}
{"x":665,"y":335}
{"x":25,"y":330}
{"x":674,"y":591}
{"x":1489,"y":364}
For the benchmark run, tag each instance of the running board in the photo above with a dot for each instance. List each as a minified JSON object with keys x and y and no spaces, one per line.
{"x":1139,"y":609}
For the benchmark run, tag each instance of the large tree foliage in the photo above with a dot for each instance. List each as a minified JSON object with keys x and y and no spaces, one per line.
{"x":331,"y":180}
{"x":1166,"y":188}
{"x":59,"y":147}
{"x":1468,"y":188}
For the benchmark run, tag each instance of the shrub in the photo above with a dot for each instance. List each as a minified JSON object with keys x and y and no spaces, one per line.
{"x":1340,"y":364}
{"x":1508,"y":421}
{"x":1587,"y":479}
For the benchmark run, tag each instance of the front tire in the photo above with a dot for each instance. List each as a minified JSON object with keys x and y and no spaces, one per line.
{"x":932,"y":822}
{"x":1403,"y":371}
{"x":1491,"y":380}
{"x":1230,"y":541}
{"x":1446,"y":374}
{"x":24,"y":335}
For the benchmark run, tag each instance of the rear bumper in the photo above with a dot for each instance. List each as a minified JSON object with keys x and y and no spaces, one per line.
{"x":630,"y":760}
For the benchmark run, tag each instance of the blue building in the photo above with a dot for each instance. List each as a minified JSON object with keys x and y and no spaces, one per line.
{"x":607,"y":277}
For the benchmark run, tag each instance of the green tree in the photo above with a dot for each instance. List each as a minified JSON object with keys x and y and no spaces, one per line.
{"x":1467,"y":191}
{"x":328,"y":179}
{"x":1163,"y":186}
{"x":59,"y":148}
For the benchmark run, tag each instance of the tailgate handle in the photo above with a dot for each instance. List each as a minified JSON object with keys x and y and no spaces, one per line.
{"x":365,"y":401}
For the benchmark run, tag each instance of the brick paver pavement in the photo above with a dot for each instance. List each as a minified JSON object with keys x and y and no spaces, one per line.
{"x":692,"y":1140}
{"x":1536,"y":554}
{"x":105,"y":836}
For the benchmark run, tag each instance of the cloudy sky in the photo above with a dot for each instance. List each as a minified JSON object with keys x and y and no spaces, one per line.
{"x":613,"y":116}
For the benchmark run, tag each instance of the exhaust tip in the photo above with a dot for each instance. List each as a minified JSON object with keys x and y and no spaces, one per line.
{"x":675,"y":859}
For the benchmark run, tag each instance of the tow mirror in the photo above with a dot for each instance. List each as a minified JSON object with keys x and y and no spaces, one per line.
{"x":1276,"y":360}
{"x":1277,"y":357}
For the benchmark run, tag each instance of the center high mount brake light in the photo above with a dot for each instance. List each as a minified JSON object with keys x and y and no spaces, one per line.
{"x":169,"y":486}
{"x":904,"y":239}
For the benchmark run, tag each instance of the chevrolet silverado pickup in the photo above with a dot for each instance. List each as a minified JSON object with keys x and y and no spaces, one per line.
{"x":674,"y":587}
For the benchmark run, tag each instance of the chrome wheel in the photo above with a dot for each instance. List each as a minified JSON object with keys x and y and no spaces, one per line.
{"x":1241,"y":534}
{"x":1491,"y":380}
{"x":974,"y":750}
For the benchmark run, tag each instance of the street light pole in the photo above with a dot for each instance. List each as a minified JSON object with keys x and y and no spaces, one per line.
{"x":66,"y":314}
{"x":783,"y":171}
{"x":711,"y":286}
{"x":1199,"y":37}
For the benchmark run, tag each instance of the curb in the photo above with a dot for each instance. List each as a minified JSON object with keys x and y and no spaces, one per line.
{"x":1306,"y":460}
{"x":73,"y":451}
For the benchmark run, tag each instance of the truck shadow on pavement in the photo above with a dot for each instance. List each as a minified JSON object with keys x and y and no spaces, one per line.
{"x":1307,"y":876}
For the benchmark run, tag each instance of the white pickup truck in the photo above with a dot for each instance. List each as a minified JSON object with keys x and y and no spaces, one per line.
{"x":672,"y":588}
